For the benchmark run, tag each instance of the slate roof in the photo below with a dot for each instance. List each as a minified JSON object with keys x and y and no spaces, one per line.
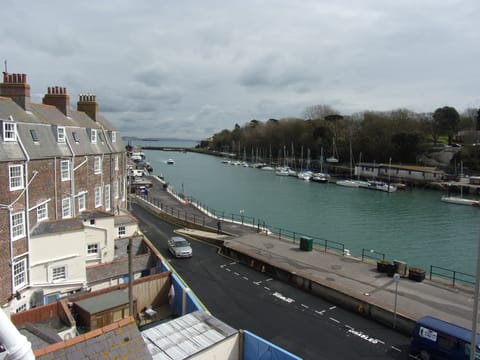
{"x":120,"y":340}
{"x":57,"y":226}
{"x":43,"y":120}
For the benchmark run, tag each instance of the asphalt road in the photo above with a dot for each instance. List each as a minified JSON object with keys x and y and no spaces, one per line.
{"x":293,"y":319}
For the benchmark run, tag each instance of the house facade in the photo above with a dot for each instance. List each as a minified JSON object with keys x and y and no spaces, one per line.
{"x":56,"y":163}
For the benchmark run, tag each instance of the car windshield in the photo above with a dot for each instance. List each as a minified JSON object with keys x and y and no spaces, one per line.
{"x":181,"y":243}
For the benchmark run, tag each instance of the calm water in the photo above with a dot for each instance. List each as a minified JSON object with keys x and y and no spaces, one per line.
{"x":412,"y":225}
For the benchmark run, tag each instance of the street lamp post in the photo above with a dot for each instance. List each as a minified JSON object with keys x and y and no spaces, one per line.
{"x":396,"y":279}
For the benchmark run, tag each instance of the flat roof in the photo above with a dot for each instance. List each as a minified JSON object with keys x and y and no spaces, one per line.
{"x":96,"y":304}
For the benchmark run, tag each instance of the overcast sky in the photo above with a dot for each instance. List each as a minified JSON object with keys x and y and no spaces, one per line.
{"x":188,"y":69}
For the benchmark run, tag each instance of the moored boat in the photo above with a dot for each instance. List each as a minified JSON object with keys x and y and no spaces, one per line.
{"x":378,"y":185}
{"x":460,"y":201}
{"x":352,"y":183}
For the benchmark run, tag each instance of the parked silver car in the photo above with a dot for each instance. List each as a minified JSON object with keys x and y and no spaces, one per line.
{"x":179,"y":247}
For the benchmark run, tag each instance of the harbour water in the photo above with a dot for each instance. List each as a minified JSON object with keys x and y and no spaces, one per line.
{"x":413,"y":226}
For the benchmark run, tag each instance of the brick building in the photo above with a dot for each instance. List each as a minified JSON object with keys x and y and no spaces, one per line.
{"x":56,"y":165}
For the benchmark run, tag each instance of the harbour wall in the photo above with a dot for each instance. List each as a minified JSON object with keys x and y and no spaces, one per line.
{"x":364,"y":306}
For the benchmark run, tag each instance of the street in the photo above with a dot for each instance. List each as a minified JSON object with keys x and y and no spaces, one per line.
{"x":289,"y":317}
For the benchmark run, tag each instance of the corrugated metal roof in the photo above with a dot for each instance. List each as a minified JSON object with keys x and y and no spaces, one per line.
{"x":183,"y":337}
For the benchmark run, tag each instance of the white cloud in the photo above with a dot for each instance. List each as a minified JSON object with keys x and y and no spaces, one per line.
{"x":189,"y":68}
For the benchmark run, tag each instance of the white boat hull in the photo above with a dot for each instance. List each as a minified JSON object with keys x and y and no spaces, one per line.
{"x":460,"y":201}
{"x":351,"y":183}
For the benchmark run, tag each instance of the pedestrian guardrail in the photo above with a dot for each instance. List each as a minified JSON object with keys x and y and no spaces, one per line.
{"x":452,"y":275}
{"x":286,"y":234}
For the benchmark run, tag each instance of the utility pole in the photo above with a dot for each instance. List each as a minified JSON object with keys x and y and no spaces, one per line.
{"x":130,"y":277}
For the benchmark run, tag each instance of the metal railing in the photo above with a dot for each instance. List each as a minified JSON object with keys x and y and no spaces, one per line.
{"x":212,"y":215}
{"x":452,"y":275}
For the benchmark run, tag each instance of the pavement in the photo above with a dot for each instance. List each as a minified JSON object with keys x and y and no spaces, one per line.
{"x":341,"y":273}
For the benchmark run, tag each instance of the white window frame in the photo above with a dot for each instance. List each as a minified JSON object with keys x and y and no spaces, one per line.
{"x":9,"y":131}
{"x":61,"y":134}
{"x":93,"y":136}
{"x":93,"y":249}
{"x":115,"y":162}
{"x":15,"y":180}
{"x":17,"y":225}
{"x":114,"y":136}
{"x":42,"y":212}
{"x":19,"y":272}
{"x":122,"y":231}
{"x":65,"y":170}
{"x":66,"y":208}
{"x":107,"y":196}
{"x":82,"y":202}
{"x":98,"y":196}
{"x":115,"y":189}
{"x":57,"y":273}
{"x":97,"y":165}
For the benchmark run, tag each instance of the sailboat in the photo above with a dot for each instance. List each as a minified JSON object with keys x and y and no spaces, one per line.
{"x":460,"y":200}
{"x":321,"y":176}
{"x":352,"y":182}
{"x":334,"y":157}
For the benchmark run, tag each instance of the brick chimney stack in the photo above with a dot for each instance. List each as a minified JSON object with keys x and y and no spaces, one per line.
{"x":58,"y":97}
{"x":88,"y":104}
{"x":15,"y":87}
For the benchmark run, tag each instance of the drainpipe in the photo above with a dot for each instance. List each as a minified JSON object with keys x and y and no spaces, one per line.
{"x":27,"y":212}
{"x":55,"y":187}
{"x":72,"y":178}
{"x":16,"y":344}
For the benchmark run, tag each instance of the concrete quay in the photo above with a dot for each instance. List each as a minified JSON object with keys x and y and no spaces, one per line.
{"x":342,"y":279}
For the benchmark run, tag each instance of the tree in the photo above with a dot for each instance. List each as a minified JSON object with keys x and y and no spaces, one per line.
{"x":319,"y":112}
{"x":447,"y":119}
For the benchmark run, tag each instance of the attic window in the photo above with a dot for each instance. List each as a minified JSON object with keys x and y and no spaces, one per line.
{"x":75,"y":137}
{"x":33,"y":132}
{"x":114,"y":136}
{"x":60,"y":134}
{"x":9,"y":131}
{"x":93,"y":136}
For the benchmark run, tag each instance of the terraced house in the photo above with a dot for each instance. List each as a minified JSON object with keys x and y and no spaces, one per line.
{"x":62,"y":185}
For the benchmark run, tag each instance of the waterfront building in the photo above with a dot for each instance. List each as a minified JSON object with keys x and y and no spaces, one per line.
{"x":62,"y":193}
{"x":403,"y":173}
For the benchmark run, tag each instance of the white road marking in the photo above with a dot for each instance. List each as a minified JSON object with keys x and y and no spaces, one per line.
{"x":232,"y":263}
{"x":335,"y":320}
{"x":228,"y":269}
{"x":269,"y":279}
{"x":236,"y":273}
{"x":245,"y":278}
{"x":266,"y":288}
{"x":305,"y":306}
{"x":320,"y":312}
{"x":365,"y":337}
{"x":284,"y":298}
{"x":333,"y":307}
{"x":349,"y":327}
{"x":257,"y":283}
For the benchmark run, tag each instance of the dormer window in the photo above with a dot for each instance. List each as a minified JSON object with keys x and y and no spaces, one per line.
{"x":60,"y":134}
{"x":114,"y":136}
{"x":9,"y":131}
{"x":93,"y":136}
{"x":75,"y":137}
